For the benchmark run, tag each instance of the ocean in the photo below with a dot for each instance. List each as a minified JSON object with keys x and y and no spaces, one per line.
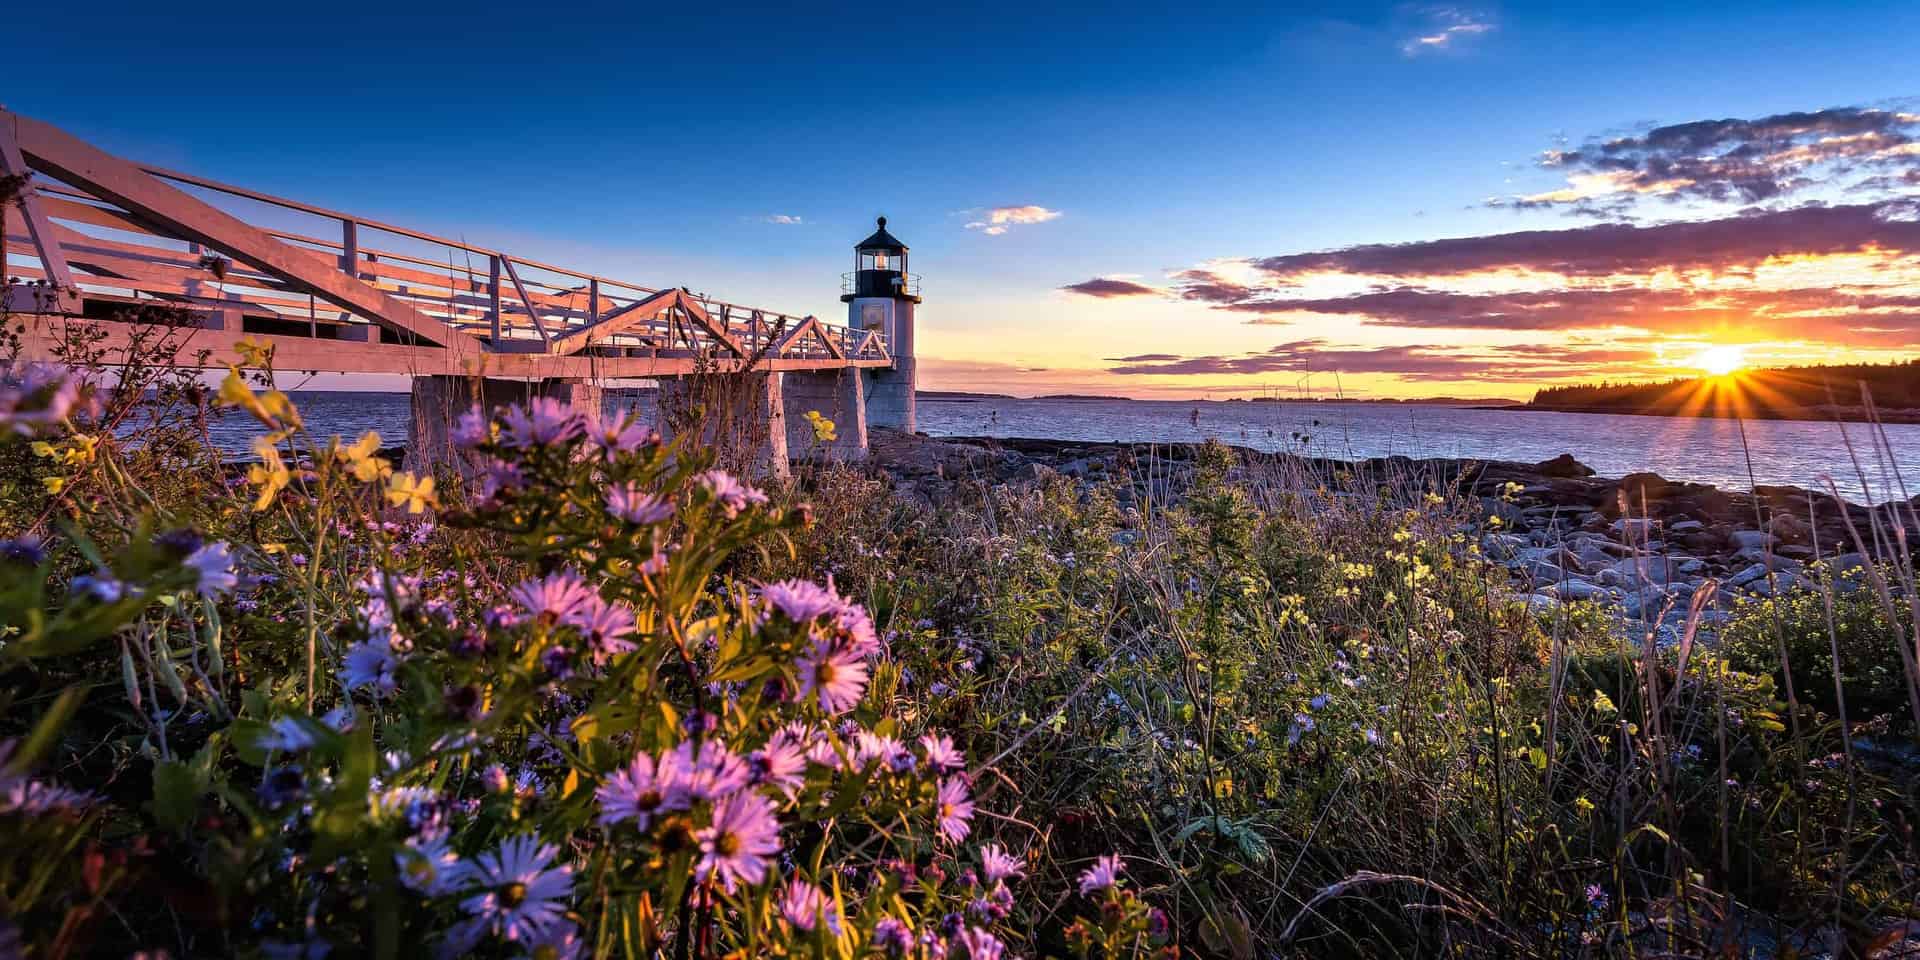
{"x":1705,"y":450}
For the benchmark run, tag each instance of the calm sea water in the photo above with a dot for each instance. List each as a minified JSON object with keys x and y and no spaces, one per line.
{"x":1698,"y":449}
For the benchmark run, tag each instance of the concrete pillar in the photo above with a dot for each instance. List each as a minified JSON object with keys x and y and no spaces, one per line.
{"x":741,"y":417}
{"x":440,"y":401}
{"x":838,"y":395}
{"x":890,"y":396}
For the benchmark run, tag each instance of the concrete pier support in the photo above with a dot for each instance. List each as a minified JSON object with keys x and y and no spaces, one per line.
{"x":890,"y":400}
{"x":440,"y":401}
{"x":839,"y":396}
{"x":740,"y":416}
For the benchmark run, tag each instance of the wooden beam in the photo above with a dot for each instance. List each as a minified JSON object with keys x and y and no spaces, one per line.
{"x":45,"y":244}
{"x":127,"y":186}
{"x":616,"y":320}
{"x":539,"y":325}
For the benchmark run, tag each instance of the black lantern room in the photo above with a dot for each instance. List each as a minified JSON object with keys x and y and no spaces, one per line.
{"x":880,"y":268}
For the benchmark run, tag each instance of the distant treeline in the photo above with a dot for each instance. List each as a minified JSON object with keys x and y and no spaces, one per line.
{"x":1781,"y":392}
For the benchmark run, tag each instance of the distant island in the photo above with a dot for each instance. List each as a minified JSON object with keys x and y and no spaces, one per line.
{"x":1830,"y":392}
{"x":968,"y":396}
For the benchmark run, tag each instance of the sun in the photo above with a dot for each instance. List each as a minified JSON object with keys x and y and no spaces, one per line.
{"x":1721,"y":360}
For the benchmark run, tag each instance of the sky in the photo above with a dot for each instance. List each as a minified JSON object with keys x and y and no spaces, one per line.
{"x":1193,"y":200}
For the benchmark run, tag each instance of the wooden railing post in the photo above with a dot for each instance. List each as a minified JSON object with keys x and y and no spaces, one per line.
{"x":350,"y":248}
{"x":493,"y":294}
{"x":593,"y":300}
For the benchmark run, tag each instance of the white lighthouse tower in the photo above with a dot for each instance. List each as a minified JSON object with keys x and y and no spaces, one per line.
{"x":880,"y":294}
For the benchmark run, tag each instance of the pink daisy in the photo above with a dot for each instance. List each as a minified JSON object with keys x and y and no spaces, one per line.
{"x":558,"y":596}
{"x":605,"y":625}
{"x":1104,"y":873}
{"x":639,"y":790}
{"x":833,"y":675}
{"x":636,"y":506}
{"x":730,"y":492}
{"x":523,"y":892}
{"x":736,"y":846}
{"x":804,"y":904}
{"x":940,"y":754}
{"x":953,"y":809}
{"x":714,"y":773}
{"x":542,"y":422}
{"x":996,"y":864}
{"x":803,"y":601}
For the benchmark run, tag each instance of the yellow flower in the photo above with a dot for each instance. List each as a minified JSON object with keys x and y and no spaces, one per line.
{"x":254,"y":353}
{"x":415,"y":493}
{"x":367,"y":468}
{"x":270,"y":474}
{"x":1583,"y":805}
{"x":81,"y":449}
{"x":823,"y":429}
{"x":272,"y":408}
{"x":54,"y":484}
{"x":41,"y":448}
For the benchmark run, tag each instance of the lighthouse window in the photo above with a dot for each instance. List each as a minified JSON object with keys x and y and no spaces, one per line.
{"x":879,"y":261}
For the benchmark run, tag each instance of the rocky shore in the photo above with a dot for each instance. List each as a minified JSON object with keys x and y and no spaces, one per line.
{"x":1643,"y":543}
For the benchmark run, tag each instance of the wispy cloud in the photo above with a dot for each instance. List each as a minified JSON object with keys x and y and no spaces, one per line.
{"x":783,"y":219}
{"x":1415,"y":362}
{"x":1108,"y":288}
{"x":1445,"y":25}
{"x":994,"y":221}
{"x":1730,"y":160}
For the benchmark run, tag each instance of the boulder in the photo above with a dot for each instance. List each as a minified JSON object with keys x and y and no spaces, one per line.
{"x":1578,"y":590}
{"x":1751,"y":539}
{"x":1563,"y":465}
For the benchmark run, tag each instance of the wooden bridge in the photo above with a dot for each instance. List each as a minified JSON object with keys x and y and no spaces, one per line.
{"x":95,"y":235}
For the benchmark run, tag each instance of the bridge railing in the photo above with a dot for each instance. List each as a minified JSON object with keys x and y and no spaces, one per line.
{"x":513,"y":304}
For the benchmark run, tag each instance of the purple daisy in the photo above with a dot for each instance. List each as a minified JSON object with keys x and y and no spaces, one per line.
{"x":981,"y":945}
{"x":639,"y":790}
{"x":543,"y":422}
{"x":472,"y":429}
{"x":558,"y":596}
{"x":634,"y":505}
{"x":607,"y":626}
{"x":713,"y":773}
{"x":802,"y":601}
{"x":940,"y":754}
{"x":524,"y":893}
{"x":625,"y":437}
{"x":213,"y":566}
{"x":1104,"y":873}
{"x":833,"y":675}
{"x":428,"y":865}
{"x":892,"y":936}
{"x":736,"y":846}
{"x":997,"y":865}
{"x":804,"y":905}
{"x":782,"y":763}
{"x":953,"y":809}
{"x":732,"y":494}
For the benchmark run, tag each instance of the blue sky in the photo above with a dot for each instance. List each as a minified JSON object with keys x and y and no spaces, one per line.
{"x":656,"y":144}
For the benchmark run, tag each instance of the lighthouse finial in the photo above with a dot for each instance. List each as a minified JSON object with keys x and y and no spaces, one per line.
{"x":882,"y":221}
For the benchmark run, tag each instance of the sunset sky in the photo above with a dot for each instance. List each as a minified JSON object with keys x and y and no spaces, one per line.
{"x":1388,"y":200}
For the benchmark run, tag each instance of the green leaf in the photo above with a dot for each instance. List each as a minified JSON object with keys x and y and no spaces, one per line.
{"x":176,"y":794}
{"x":48,"y":729}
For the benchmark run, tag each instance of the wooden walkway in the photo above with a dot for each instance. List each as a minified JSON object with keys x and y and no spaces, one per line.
{"x":332,"y":292}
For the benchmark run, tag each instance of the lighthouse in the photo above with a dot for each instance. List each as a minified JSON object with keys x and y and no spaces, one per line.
{"x":881,"y":294}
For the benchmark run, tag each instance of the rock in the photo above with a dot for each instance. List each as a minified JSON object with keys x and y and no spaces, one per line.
{"x":1691,"y":566}
{"x":1751,"y":539}
{"x":1542,"y":603}
{"x":1757,"y":573}
{"x":1781,"y":584}
{"x":1790,"y":529}
{"x":1578,"y":590}
{"x":1502,"y":546}
{"x":1686,"y":526}
{"x":1540,"y":571}
{"x":1631,"y":528}
{"x":1563,"y":465}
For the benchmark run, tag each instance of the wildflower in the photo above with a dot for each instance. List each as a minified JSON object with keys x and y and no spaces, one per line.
{"x":472,"y":429}
{"x":428,"y":865}
{"x":557,"y":661}
{"x":497,"y":477}
{"x":713,"y":773}
{"x":542,"y":422}
{"x":100,"y":586}
{"x":370,"y":663}
{"x":823,"y":429}
{"x":639,"y":790}
{"x":804,"y":905}
{"x":630,"y":503}
{"x":1596,"y":897}
{"x":782,"y":763}
{"x":25,"y":551}
{"x":524,"y":892}
{"x":1319,"y":702}
{"x":605,"y":625}
{"x":655,"y":565}
{"x":1104,"y":873}
{"x":558,"y":597}
{"x":213,"y":566}
{"x":41,"y":399}
{"x":998,"y":865}
{"x":340,"y":718}
{"x":940,"y":754}
{"x":853,"y":626}
{"x":981,"y":945}
{"x":625,"y":437}
{"x":833,"y":675}
{"x":802,"y":601}
{"x":287,"y":734}
{"x":559,"y":940}
{"x":733,"y":495}
{"x":282,"y":785}
{"x":414,"y":493}
{"x":953,"y":809}
{"x":892,"y":936}
{"x":360,"y":458}
{"x":270,"y":474}
{"x":736,"y":845}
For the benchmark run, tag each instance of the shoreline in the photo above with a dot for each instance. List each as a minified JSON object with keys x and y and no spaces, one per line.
{"x":1841,"y":415}
{"x":1567,"y":536}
